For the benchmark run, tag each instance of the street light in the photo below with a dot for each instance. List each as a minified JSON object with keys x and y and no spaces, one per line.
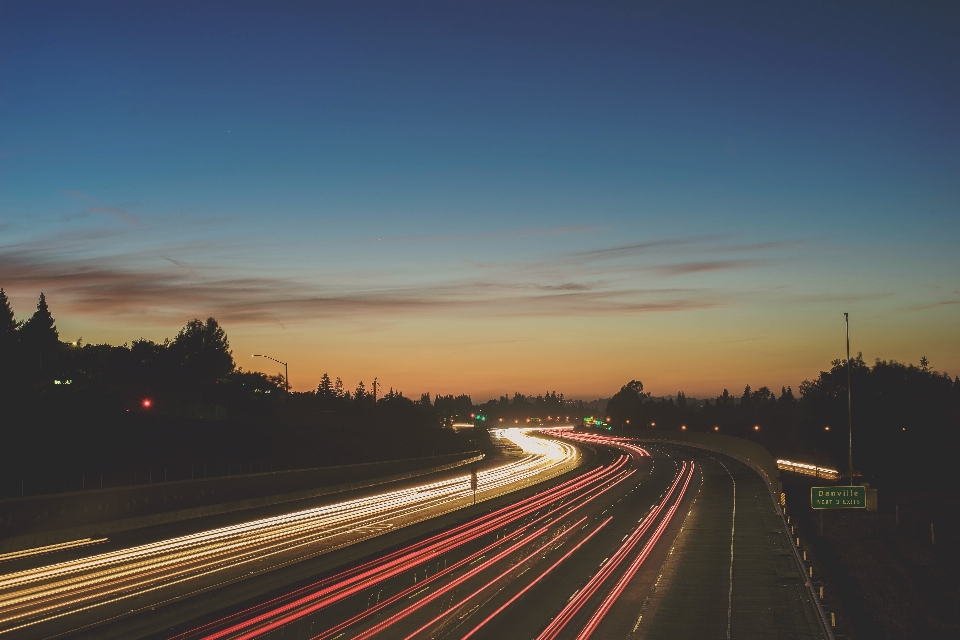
{"x":846,"y":319}
{"x":286,"y":370}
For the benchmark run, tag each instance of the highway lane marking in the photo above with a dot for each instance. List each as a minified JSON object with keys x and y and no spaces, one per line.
{"x":733,"y":528}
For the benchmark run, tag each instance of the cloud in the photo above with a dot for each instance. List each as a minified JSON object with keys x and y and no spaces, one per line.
{"x":95,"y":206}
{"x":685,"y":268}
{"x":529,"y":232}
{"x":158,"y":283}
{"x":933,"y":305}
{"x":133,"y":286}
{"x":631,"y":249}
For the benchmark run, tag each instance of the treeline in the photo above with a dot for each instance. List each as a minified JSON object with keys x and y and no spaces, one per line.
{"x":193,"y":375}
{"x":549,"y":406}
{"x":67,"y":406}
{"x":906,"y":419}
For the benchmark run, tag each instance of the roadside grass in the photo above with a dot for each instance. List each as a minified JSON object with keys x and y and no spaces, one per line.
{"x":885,"y":579}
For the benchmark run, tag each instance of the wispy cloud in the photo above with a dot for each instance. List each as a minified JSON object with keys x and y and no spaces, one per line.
{"x":95,"y":206}
{"x":109,"y":285}
{"x":685,"y":268}
{"x":528,"y":232}
{"x":933,"y":305}
{"x":159,"y":283}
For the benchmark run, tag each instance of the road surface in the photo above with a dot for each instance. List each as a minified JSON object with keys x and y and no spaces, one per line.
{"x":658,"y":542}
{"x":87,"y":591}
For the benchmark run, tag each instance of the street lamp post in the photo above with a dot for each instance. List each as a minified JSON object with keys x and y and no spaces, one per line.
{"x":846,"y":317}
{"x":286,"y":370}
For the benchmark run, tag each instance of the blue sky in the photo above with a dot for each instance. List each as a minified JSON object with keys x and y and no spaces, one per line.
{"x":370,"y":188}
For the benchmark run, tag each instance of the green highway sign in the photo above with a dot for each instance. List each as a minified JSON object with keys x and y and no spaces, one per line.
{"x":838,"y":497}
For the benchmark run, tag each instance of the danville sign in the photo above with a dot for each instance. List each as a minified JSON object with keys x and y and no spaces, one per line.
{"x":838,"y":497}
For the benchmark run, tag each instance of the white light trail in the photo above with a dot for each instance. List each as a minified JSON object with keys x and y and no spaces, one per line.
{"x":44,"y":593}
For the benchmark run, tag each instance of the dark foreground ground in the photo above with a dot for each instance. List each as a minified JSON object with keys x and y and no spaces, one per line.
{"x":886,"y":579}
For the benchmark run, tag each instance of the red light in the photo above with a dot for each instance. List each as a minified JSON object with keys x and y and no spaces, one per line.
{"x":147,"y":404}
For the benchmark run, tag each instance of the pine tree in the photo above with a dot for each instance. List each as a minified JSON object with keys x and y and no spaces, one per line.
{"x":338,"y":388}
{"x":40,"y":331}
{"x":8,"y":325}
{"x":325,"y":388}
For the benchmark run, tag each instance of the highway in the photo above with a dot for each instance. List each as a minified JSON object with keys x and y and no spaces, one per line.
{"x":656,"y":542}
{"x":68,"y":596}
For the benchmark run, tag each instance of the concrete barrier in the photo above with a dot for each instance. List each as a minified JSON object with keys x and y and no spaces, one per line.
{"x":750,"y":453}
{"x":40,"y":520}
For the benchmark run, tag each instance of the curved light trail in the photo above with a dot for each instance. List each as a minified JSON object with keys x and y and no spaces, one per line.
{"x":503,"y":546}
{"x":211,"y":557}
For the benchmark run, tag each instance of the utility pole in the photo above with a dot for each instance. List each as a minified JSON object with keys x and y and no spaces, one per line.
{"x":846,"y":317}
{"x":374,"y":390}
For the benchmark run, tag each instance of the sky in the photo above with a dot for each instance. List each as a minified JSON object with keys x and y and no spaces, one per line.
{"x":488,"y":197}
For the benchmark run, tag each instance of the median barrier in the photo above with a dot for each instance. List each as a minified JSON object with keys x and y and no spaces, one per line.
{"x":49,"y":519}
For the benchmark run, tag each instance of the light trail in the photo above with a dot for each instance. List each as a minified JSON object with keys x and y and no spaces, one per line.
{"x":344,"y":585}
{"x":808,"y":469}
{"x":631,"y":571}
{"x":524,"y":540}
{"x":45,"y":593}
{"x":421,"y":551}
{"x":536,"y":580}
{"x":581,"y":598}
{"x":515,"y":565}
{"x":50,"y":548}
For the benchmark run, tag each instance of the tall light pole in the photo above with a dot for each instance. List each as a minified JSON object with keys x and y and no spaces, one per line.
{"x":846,"y":317}
{"x":286,"y":370}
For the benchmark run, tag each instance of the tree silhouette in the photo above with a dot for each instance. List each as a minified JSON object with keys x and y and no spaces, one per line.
{"x":325,"y":388}
{"x":8,"y":325}
{"x":39,"y":333}
{"x":203,"y":351}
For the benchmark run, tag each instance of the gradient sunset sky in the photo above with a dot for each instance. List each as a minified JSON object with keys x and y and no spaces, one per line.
{"x":488,"y":198}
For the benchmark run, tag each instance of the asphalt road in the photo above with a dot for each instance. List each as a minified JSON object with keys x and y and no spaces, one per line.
{"x":661,"y":542}
{"x":84,"y":591}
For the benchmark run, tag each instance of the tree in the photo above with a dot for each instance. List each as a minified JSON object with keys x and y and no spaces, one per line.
{"x":325,"y":388}
{"x":203,"y":351}
{"x":627,"y":403}
{"x":8,"y":325}
{"x":39,"y":333}
{"x":338,"y":388}
{"x":361,"y":391}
